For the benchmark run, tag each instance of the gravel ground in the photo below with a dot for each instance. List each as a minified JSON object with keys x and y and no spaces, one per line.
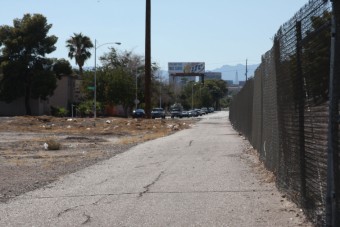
{"x":26,"y":165}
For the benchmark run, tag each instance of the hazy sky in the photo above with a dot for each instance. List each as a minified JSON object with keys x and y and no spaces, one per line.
{"x":217,"y":32}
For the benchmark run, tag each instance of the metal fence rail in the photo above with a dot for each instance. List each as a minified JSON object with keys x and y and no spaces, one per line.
{"x":289,"y":111}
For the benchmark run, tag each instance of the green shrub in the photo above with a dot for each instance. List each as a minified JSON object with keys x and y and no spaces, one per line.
{"x":59,"y":111}
{"x":86,"y":108}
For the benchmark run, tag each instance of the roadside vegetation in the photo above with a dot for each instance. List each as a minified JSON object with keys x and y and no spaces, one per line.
{"x":26,"y":72}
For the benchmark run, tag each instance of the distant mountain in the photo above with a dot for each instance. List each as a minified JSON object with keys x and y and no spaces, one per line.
{"x":229,"y":72}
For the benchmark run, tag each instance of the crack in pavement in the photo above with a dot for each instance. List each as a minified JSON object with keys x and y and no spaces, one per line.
{"x":190,"y":143}
{"x":67,"y":210}
{"x":103,"y":181}
{"x":149,"y":164}
{"x":154,"y":192}
{"x":147,"y":187}
{"x":88,"y":219}
{"x":75,"y":207}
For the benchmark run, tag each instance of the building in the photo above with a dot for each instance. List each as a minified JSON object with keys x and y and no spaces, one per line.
{"x":211,"y":76}
{"x":229,"y":82}
{"x":63,"y":96}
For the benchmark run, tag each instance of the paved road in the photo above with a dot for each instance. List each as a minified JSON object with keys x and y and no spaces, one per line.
{"x":195,"y":177}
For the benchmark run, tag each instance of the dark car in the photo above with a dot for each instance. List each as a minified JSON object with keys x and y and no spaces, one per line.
{"x":157,"y":113}
{"x":204,"y":110}
{"x":192,"y":113}
{"x":175,"y":112}
{"x":138,"y":113}
{"x":184,"y":114}
{"x":199,"y":112}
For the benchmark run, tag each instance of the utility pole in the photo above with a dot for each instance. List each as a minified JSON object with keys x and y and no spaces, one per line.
{"x":148,"y":59}
{"x":160,"y":91}
{"x":246,"y":69}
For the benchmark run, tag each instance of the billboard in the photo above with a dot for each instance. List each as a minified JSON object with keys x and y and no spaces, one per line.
{"x":186,"y":67}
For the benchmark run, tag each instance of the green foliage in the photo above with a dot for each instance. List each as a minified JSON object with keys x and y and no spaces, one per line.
{"x":88,"y":81}
{"x":205,"y":95}
{"x":59,"y":111}
{"x":26,"y":70}
{"x":62,"y":67}
{"x":131,"y":66}
{"x":86,"y":108}
{"x":116,"y":80}
{"x":225,"y":102}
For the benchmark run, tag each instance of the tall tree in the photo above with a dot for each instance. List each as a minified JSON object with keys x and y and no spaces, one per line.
{"x":218,"y":90}
{"x":26,"y":71}
{"x":79,"y":48}
{"x":133,"y":65}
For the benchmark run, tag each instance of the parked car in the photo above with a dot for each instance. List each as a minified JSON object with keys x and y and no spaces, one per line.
{"x":138,"y":113}
{"x":175,"y":112}
{"x":211,"y":109}
{"x":158,"y":113}
{"x":184,"y":114}
{"x":204,"y":110}
{"x":192,"y":113}
{"x":199,"y":112}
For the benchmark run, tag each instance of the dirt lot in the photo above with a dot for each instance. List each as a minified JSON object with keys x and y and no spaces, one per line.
{"x":34,"y":151}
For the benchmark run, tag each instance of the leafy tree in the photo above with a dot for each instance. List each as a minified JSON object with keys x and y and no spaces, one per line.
{"x":79,"y":46}
{"x":205,"y":95}
{"x":114,"y":87}
{"x":116,"y":79}
{"x":161,"y":93}
{"x":62,"y":67}
{"x":126,"y":60}
{"x":120,"y":89}
{"x":218,"y":89}
{"x":133,"y":66}
{"x":26,"y":72}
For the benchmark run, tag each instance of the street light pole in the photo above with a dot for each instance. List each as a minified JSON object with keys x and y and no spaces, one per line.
{"x":136,"y":100}
{"x":95,"y":76}
{"x":160,"y":96}
{"x":192,"y":96}
{"x":95,"y":81}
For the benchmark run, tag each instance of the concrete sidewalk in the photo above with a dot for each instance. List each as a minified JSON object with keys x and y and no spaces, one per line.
{"x":196,"y":177}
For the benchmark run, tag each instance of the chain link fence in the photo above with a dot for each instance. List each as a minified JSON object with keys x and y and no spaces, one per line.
{"x":289,"y":111}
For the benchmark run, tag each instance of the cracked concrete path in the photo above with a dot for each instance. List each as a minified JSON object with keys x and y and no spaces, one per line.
{"x":195,"y":177}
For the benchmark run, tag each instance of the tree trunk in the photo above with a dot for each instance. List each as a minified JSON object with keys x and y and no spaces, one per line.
{"x":81,"y":70}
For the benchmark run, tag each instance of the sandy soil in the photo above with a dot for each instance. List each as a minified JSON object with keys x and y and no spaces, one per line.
{"x":35,"y":151}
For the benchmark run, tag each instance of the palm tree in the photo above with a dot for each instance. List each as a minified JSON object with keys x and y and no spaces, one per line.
{"x":79,"y":46}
